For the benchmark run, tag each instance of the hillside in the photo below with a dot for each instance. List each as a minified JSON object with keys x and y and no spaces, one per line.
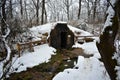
{"x":82,"y":68}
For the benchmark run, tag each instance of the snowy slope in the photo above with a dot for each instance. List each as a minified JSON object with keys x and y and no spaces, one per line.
{"x":41,"y":54}
{"x":85,"y":68}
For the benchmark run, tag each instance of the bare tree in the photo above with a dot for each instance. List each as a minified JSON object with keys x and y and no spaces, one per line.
{"x":10,"y":4}
{"x":94,"y":9}
{"x":67,"y":4}
{"x":45,"y":16}
{"x":36,"y":4}
{"x":43,"y":11}
{"x":5,"y":32}
{"x":55,"y":7}
{"x":79,"y":9}
{"x":88,"y":10}
{"x":21,"y":8}
{"x":26,"y":13}
{"x":92,"y":6}
{"x":3,"y":14}
{"x":107,"y":38}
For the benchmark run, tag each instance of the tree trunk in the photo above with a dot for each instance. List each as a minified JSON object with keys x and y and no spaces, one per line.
{"x":106,"y":45}
{"x":21,"y":8}
{"x":3,"y":25}
{"x":37,"y":12}
{"x":79,"y":9}
{"x":5,"y":63}
{"x":43,"y":11}
{"x":67,"y":9}
{"x":26,"y":10}
{"x":45,"y":16}
{"x":94,"y":10}
{"x":10,"y":4}
{"x":88,"y":11}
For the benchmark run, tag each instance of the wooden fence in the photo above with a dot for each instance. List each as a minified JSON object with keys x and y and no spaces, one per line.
{"x":29,"y":45}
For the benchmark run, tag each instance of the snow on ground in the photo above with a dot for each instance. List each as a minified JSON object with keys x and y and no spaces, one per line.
{"x":86,"y":68}
{"x":89,"y":48}
{"x":41,"y":54}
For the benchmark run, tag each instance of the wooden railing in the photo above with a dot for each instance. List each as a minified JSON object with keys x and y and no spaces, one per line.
{"x":29,"y":45}
{"x":82,"y":39}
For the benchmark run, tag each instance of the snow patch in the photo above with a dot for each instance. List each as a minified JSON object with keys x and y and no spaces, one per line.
{"x":87,"y":69}
{"x":89,"y":48}
{"x":28,"y":60}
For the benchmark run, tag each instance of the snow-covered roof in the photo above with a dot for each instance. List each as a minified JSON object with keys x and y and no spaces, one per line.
{"x":46,"y":28}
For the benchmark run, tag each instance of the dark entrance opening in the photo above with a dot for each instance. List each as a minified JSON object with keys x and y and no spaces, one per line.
{"x":63,"y":39}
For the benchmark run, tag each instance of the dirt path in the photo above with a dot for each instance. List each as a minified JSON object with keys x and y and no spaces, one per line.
{"x":46,"y":71}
